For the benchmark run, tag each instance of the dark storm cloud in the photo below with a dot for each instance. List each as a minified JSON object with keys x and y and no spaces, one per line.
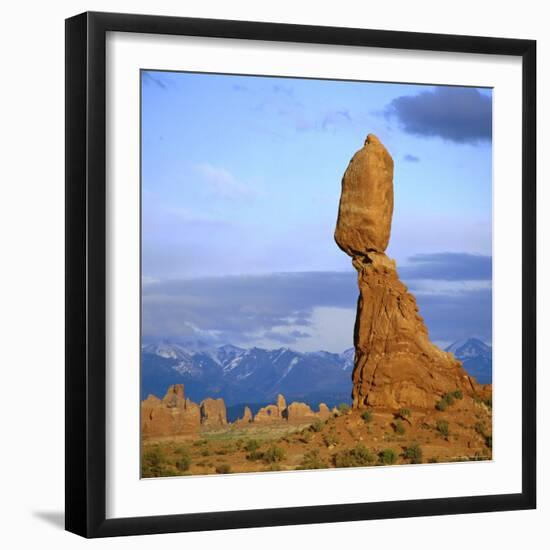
{"x":411,"y":158}
{"x":447,"y":266}
{"x":458,"y":315}
{"x":238,"y":305}
{"x":462,"y":115}
{"x":279,"y":307}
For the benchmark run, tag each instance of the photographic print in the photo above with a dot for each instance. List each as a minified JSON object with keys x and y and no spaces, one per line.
{"x":316,"y":264}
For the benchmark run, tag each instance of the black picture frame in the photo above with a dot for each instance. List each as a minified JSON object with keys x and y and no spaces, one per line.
{"x":86,"y":274}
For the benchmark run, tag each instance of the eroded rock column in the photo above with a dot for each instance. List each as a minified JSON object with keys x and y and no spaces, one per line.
{"x":396,"y":364}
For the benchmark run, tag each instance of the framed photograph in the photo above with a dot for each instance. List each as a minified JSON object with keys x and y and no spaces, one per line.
{"x":300,"y":274}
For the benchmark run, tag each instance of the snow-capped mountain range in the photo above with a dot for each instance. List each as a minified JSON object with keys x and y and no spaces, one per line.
{"x":257,"y":375}
{"x":240,"y":375}
{"x":476,"y":357}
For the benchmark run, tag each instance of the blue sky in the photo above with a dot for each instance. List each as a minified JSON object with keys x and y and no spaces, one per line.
{"x":240,"y":188}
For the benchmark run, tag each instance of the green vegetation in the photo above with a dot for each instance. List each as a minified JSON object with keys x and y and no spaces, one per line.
{"x":312,"y":461}
{"x":387,"y":457}
{"x":273,"y":454}
{"x":343,"y":408}
{"x":488,"y":402}
{"x":183,"y":461}
{"x":330,"y":439}
{"x":252,"y":445}
{"x":442,"y":426}
{"x":353,"y":458}
{"x":318,"y":425}
{"x":153,"y":462}
{"x":413,"y":453}
{"x":448,"y":399}
{"x":398,"y":427}
{"x":366,"y":416}
{"x":441,"y":405}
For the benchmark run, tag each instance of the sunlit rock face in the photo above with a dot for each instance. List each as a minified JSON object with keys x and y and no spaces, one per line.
{"x":396,"y":364}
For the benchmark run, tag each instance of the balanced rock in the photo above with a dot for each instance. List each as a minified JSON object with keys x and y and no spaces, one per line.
{"x":297,"y":412}
{"x":396,"y":364}
{"x":366,"y":201}
{"x":213,"y":412}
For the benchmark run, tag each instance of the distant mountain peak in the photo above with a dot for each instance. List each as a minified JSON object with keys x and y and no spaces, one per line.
{"x":469,"y":347}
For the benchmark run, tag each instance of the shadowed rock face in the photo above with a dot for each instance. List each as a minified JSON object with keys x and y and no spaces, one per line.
{"x":396,"y":364}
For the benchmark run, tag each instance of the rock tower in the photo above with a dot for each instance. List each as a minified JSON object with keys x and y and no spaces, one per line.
{"x":396,"y":364}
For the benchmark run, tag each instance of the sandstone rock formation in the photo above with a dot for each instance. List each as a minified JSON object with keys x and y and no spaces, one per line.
{"x":246,"y":417}
{"x":324,"y":412}
{"x":297,"y":412}
{"x":213,"y":412}
{"x":172,"y":415}
{"x":396,"y":364}
{"x":281,"y":403}
{"x":269,"y":413}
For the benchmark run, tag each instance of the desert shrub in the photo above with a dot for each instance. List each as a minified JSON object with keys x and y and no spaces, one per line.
{"x":252,"y":445}
{"x":153,"y":462}
{"x":312,"y":461}
{"x":398,"y":427}
{"x":343,"y":408}
{"x":255,"y":455}
{"x":273,"y":468}
{"x":200,"y":442}
{"x":433,"y":460}
{"x":366,"y":416}
{"x":205,"y":452}
{"x":273,"y":454}
{"x":448,"y":399}
{"x":318,"y":425}
{"x":330,"y":439}
{"x":387,"y":456}
{"x":352,"y":458}
{"x":305,"y":436}
{"x":441,"y":405}
{"x":442,"y":426}
{"x":487,"y":401}
{"x":413,"y":453}
{"x":404,"y":413}
{"x":223,"y":468}
{"x":183,"y":461}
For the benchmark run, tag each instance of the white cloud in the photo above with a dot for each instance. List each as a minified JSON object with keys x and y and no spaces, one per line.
{"x":221,"y":182}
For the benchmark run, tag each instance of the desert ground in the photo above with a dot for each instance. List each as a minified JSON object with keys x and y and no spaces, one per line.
{"x":458,"y":429}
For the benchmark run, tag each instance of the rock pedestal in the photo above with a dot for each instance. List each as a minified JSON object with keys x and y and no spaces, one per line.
{"x":396,"y":364}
